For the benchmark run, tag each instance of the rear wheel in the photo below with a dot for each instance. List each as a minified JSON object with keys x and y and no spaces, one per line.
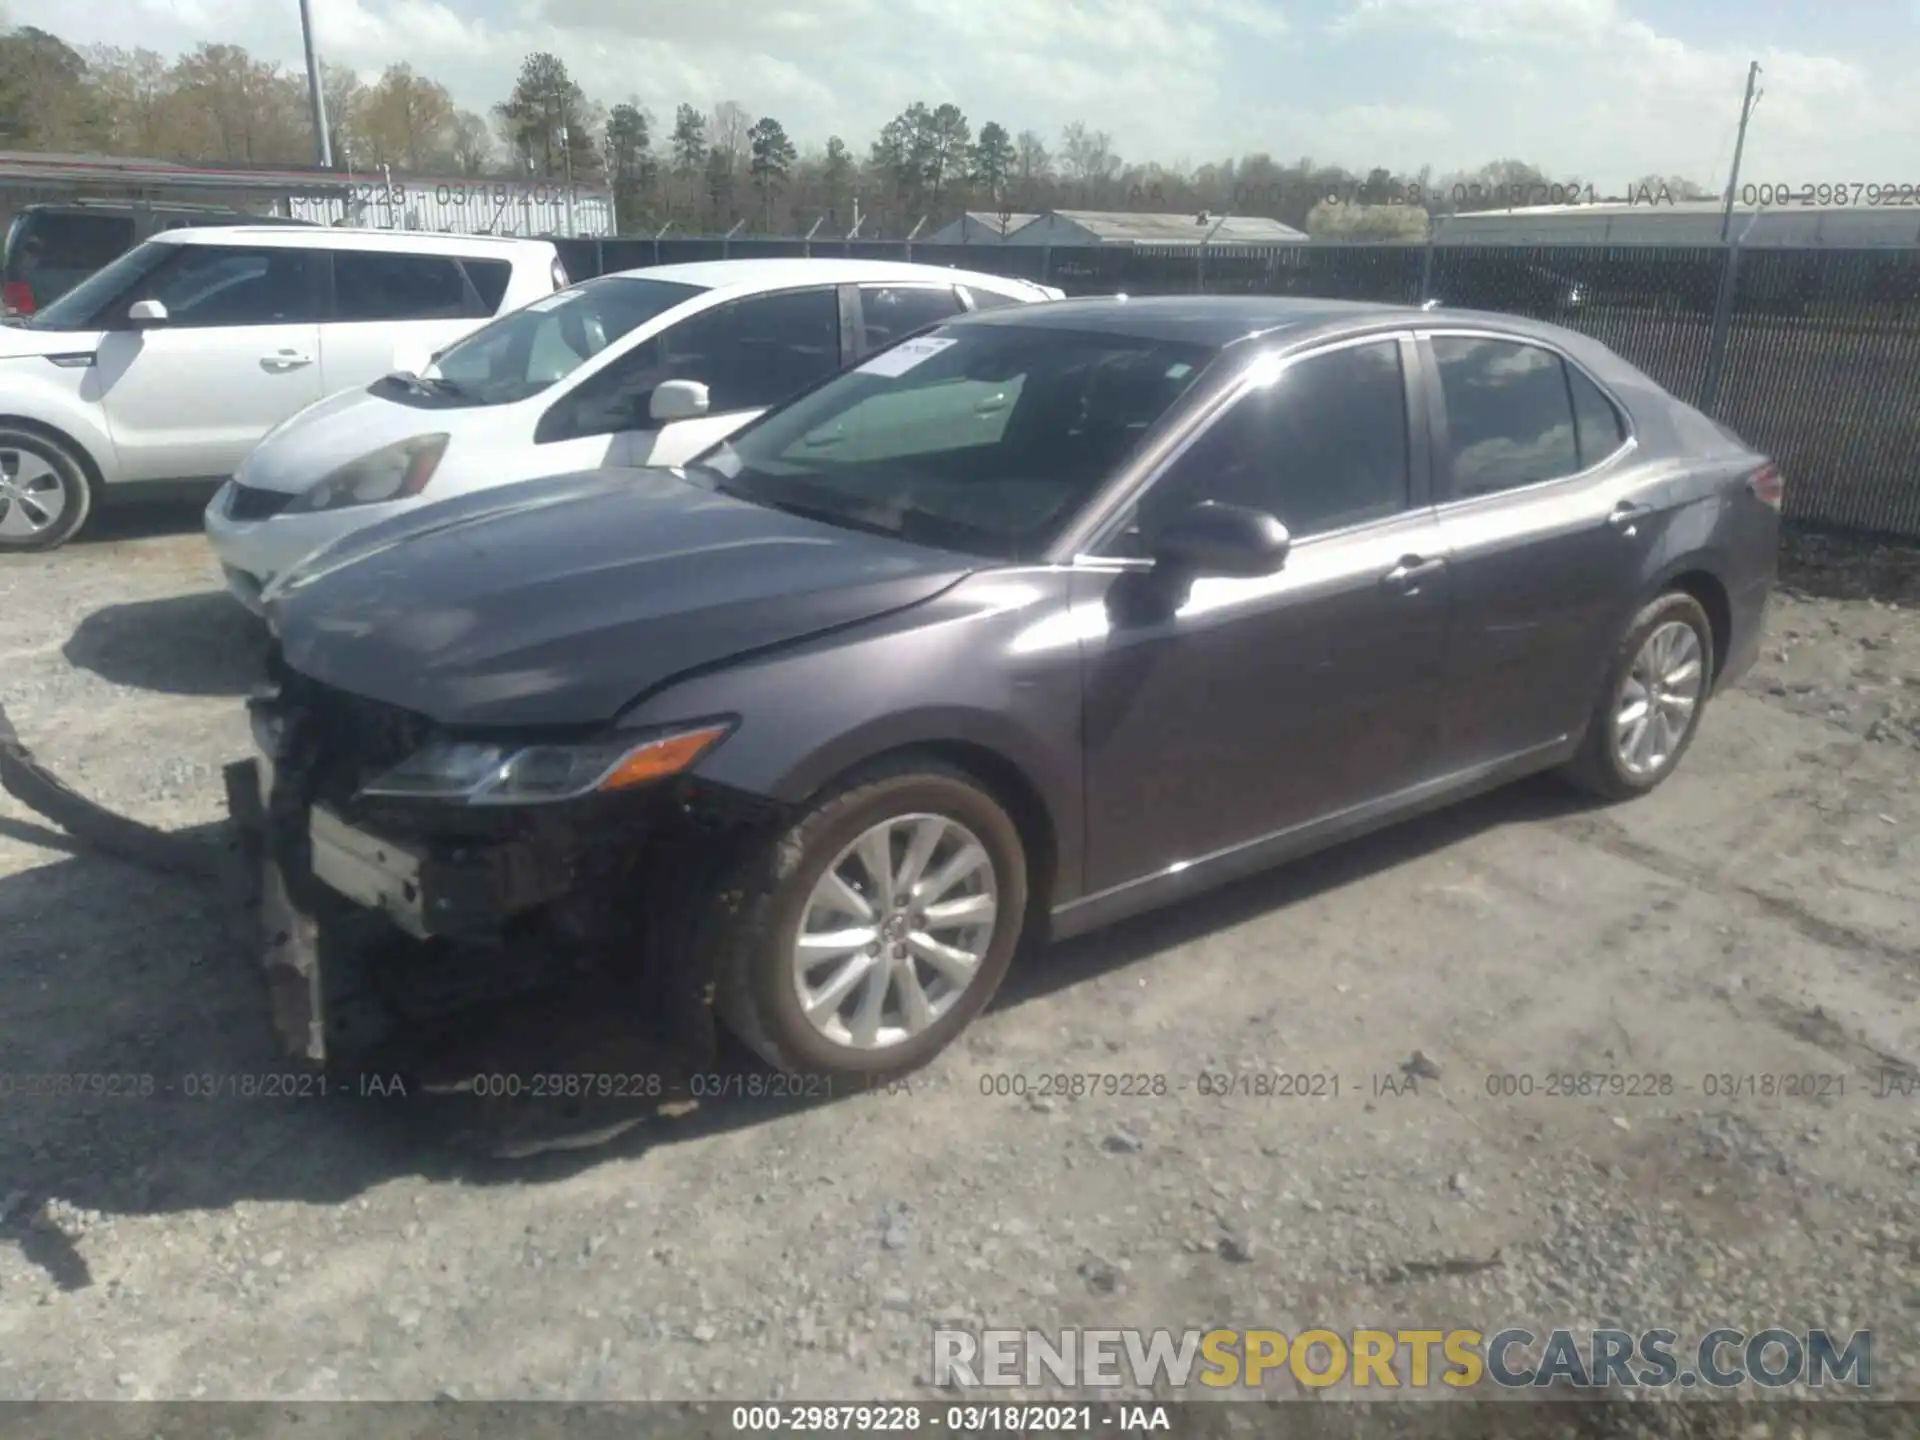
{"x":45,"y":495}
{"x":876,"y":927}
{"x":1649,"y":709}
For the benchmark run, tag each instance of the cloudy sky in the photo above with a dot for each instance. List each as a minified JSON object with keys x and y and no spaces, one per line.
{"x":1609,"y":89}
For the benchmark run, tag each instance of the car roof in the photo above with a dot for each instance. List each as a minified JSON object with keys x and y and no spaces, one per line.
{"x":774,"y":273}
{"x":1222,"y":320}
{"x":326,"y":237}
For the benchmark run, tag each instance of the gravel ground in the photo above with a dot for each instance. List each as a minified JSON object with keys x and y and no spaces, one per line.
{"x":1758,"y":917}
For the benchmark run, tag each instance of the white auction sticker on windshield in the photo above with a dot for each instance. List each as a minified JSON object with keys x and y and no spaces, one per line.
{"x":904,"y":356}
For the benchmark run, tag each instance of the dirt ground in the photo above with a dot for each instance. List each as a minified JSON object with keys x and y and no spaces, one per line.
{"x":1758,"y":917}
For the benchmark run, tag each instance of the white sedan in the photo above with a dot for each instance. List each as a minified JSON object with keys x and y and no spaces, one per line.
{"x":645,"y":367}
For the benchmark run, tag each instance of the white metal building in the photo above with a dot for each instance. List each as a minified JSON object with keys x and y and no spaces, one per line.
{"x":978,"y":227}
{"x":463,"y":204}
{"x":1685,"y":222}
{"x":1158,"y":229}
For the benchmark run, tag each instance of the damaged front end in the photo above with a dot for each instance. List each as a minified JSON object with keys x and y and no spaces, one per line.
{"x":382,"y":910}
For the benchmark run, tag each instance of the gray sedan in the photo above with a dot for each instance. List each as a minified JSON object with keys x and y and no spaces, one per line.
{"x":1040,"y":619}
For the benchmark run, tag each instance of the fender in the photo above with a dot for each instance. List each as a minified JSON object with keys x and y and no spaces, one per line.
{"x":36,"y":405}
{"x":949,"y":672}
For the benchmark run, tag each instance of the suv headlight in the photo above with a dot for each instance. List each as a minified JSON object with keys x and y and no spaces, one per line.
{"x":478,"y":773}
{"x":392,"y":473}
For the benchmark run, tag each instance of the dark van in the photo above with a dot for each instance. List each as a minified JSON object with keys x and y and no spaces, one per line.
{"x":52,"y":248}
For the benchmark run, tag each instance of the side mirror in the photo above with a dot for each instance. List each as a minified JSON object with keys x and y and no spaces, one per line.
{"x":147,"y":312}
{"x":1229,"y":540}
{"x":678,"y":400}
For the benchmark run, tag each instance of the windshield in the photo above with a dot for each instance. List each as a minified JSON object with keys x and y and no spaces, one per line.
{"x":77,"y":309}
{"x":981,"y":438}
{"x":523,"y":353}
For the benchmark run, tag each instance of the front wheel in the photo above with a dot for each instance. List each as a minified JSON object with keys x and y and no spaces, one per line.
{"x":44,"y":491}
{"x":876,"y":927}
{"x":1650,"y":707}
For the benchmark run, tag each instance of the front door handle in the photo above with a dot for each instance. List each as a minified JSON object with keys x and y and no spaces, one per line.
{"x":1627,"y":514}
{"x":1407,"y":576}
{"x":285,"y":360}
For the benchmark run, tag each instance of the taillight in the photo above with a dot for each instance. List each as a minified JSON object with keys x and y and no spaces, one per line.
{"x":1767,"y":485}
{"x":17,"y":296}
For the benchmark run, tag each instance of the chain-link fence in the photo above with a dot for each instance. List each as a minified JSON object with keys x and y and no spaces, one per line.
{"x":1812,"y":355}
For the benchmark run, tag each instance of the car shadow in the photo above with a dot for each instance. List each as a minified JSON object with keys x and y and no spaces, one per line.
{"x":151,"y":1007}
{"x":203,"y":644}
{"x":181,"y":511}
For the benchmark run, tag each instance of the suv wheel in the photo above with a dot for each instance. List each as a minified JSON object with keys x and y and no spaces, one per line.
{"x":890,"y":916}
{"x":44,"y":492}
{"x":1650,"y":706}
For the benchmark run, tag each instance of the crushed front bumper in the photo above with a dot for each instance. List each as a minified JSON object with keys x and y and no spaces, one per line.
{"x":471,"y":891}
{"x":357,"y":924}
{"x":289,"y":935}
{"x":322,"y":896}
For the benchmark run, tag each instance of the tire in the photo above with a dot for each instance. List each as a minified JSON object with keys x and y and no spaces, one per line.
{"x":755,"y":989}
{"x":1602,"y":766}
{"x":45,"y":492}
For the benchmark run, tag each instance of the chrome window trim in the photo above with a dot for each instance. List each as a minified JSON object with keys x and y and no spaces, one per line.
{"x":1253,"y":375}
{"x":1451,"y":504}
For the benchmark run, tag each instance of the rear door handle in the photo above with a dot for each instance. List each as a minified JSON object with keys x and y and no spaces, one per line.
{"x":1410,"y":572}
{"x":285,"y":360}
{"x":1627,"y":514}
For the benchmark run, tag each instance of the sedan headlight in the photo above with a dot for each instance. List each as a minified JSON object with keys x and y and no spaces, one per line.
{"x":474,"y":773}
{"x":389,"y":474}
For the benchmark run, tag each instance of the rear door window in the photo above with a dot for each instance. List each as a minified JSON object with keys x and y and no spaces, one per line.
{"x":1597,"y":424}
{"x":988,"y":299}
{"x":1509,"y":414}
{"x":387,"y":285}
{"x":893,"y":312}
{"x":490,"y":279}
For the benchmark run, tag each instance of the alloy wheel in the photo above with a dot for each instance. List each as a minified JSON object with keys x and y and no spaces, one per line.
{"x":33,"y":497}
{"x":895,"y":931}
{"x":1658,"y":698}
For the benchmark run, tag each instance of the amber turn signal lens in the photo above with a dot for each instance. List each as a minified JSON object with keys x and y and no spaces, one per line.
{"x":660,"y":758}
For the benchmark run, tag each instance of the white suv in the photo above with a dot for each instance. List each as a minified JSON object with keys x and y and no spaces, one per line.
{"x":169,"y":364}
{"x":645,"y":367}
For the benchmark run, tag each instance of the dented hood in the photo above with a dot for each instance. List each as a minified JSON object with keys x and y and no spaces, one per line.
{"x":560,"y":601}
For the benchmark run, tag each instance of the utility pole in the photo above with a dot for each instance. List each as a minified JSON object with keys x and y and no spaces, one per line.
{"x":613,"y":184}
{"x":1739,"y":145}
{"x":322,"y":140}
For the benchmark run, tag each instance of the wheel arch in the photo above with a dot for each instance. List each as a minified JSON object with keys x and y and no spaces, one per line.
{"x":1695,"y":576}
{"x":995,"y":765}
{"x":89,"y":462}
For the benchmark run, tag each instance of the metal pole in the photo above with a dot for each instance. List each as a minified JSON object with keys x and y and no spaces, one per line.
{"x":726,"y":240}
{"x":913,"y":232}
{"x":613,"y":188}
{"x":1426,"y":260}
{"x":1722,"y":328}
{"x":322,"y":140}
{"x":1200,"y":286}
{"x":1739,"y":145}
{"x":808,"y":252}
{"x":566,"y":155}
